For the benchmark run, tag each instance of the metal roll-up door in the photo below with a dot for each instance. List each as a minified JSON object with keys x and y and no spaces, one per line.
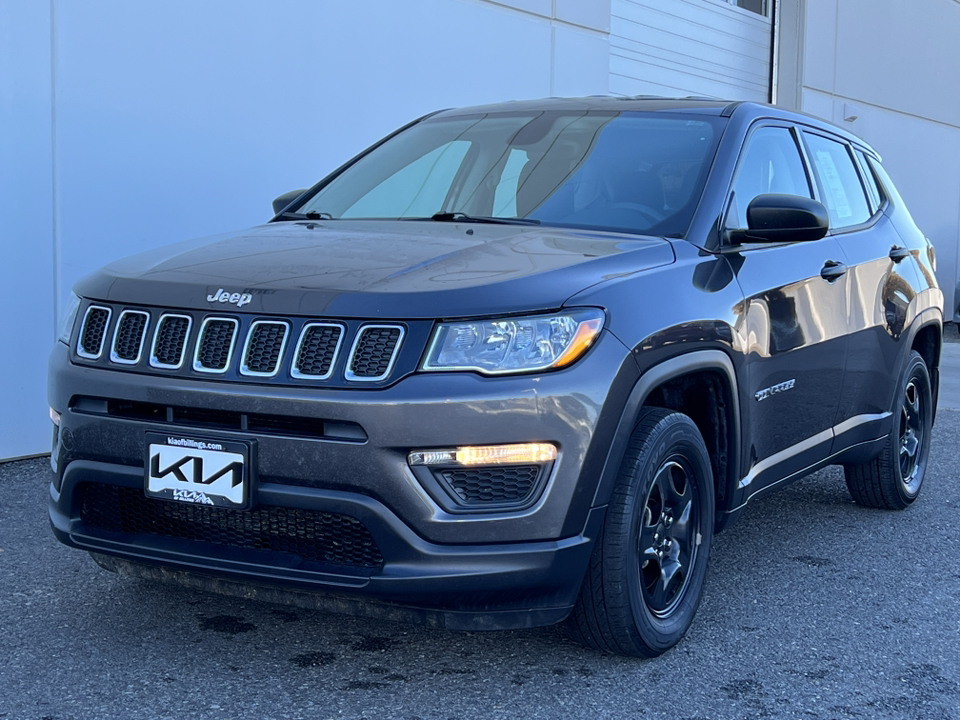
{"x":691,"y":47}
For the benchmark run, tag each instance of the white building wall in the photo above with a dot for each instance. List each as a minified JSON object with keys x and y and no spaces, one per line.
{"x":176,"y":119}
{"x":893,"y":65}
{"x":689,"y":47}
{"x":27,"y":257}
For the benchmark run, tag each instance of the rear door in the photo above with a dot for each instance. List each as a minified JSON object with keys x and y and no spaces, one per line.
{"x":882,"y":277}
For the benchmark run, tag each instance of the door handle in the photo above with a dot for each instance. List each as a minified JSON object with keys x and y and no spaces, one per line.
{"x":898,"y":253}
{"x":832,"y":270}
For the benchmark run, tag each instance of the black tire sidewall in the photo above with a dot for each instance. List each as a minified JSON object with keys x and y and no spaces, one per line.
{"x":674,"y":437}
{"x":916,"y":370}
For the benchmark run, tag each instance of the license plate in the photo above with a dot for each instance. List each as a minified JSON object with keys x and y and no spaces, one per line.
{"x":198,"y":470}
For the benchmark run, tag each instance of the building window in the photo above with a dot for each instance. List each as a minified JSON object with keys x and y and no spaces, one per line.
{"x":757,"y":6}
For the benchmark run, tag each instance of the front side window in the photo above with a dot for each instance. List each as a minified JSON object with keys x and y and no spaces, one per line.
{"x":840,"y":186}
{"x":770,"y":163}
{"x":639,"y":172}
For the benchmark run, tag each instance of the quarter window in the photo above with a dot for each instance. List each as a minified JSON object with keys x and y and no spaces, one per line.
{"x":840,"y":185}
{"x":770,"y":163}
{"x":872,"y":189}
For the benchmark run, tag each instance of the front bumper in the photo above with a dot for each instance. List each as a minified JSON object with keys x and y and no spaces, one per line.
{"x":463,"y":587}
{"x":476,"y":569}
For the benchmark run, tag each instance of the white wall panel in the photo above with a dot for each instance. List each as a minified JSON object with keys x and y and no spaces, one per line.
{"x":898,"y":64}
{"x":581,"y":59}
{"x":689,"y":47}
{"x":26,"y":227}
{"x":177,"y":119}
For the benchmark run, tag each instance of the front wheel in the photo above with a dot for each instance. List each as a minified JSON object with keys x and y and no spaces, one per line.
{"x":892,"y":480}
{"x":646,"y":574}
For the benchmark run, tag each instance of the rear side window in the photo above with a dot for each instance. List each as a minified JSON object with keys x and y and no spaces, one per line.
{"x":872,"y":189}
{"x":840,"y":186}
{"x":770,"y":163}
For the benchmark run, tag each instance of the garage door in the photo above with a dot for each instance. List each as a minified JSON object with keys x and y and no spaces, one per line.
{"x":691,"y":47}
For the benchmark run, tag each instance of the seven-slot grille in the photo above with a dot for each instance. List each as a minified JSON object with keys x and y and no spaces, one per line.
{"x":222,"y":345}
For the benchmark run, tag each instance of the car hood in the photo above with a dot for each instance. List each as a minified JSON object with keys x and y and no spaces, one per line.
{"x":378,"y":269}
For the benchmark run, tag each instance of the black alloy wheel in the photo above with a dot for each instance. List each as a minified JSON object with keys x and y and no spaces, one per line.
{"x":667,"y":547}
{"x":913,"y":437}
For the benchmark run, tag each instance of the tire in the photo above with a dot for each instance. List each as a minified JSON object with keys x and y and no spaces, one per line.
{"x":892,"y":480}
{"x":646,"y":573}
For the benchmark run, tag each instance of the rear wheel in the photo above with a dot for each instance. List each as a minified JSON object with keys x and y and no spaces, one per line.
{"x":648,"y":566}
{"x":892,"y":480}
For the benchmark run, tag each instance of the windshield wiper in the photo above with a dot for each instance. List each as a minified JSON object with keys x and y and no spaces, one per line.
{"x":312,"y":215}
{"x":463,"y":217}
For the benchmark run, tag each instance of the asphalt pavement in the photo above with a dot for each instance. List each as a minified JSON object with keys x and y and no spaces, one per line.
{"x":814,"y":608}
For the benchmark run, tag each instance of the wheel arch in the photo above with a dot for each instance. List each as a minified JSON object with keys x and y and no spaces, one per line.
{"x":670,"y":385}
{"x":926,"y":337}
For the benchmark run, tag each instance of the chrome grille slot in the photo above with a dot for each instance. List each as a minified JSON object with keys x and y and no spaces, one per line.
{"x":128,"y":337}
{"x":215,"y":345}
{"x":170,"y":341}
{"x":374,"y":352}
{"x":264,"y":348}
{"x":317,"y":351}
{"x":93,"y":332}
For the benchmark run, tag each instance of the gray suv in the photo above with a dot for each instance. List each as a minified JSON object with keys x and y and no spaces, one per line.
{"x":511,"y":365}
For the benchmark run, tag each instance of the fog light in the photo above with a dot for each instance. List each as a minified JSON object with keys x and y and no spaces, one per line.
{"x":486,"y":455}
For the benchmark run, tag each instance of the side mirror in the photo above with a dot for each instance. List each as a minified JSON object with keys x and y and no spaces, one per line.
{"x":281,"y":203}
{"x":782,"y":218}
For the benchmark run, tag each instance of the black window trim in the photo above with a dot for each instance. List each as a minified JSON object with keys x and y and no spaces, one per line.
{"x":864,"y":166}
{"x":875,"y":214}
{"x":755,"y":126}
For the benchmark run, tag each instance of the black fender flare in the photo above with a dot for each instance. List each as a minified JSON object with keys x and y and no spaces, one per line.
{"x":697,"y":361}
{"x":924,"y":319}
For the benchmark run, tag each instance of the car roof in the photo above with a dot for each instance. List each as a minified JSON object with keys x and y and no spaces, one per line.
{"x":615,"y":103}
{"x":651,"y":103}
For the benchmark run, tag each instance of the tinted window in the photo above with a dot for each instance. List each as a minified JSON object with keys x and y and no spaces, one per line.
{"x":840,"y":186}
{"x":417,"y":189}
{"x":872,"y":189}
{"x":770,"y":163}
{"x":641,"y":172}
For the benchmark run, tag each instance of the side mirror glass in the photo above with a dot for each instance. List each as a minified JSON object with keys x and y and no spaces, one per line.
{"x":782,"y":218}
{"x":281,"y":203}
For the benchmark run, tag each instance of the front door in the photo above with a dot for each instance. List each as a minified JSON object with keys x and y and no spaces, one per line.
{"x":793,"y":323}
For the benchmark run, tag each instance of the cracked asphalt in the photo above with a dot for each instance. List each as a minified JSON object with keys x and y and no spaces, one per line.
{"x":814,"y":608}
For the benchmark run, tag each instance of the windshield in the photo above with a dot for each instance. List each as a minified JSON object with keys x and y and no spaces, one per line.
{"x":623,"y":171}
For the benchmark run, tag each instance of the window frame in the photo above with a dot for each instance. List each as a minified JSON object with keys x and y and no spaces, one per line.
{"x":861,"y":155}
{"x":756,"y":126}
{"x":874,"y":213}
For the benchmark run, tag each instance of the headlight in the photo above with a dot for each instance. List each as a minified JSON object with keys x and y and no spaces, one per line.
{"x":67,"y":319}
{"x":513,"y":345}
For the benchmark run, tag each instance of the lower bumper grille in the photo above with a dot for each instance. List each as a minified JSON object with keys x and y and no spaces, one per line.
{"x":319,"y":537}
